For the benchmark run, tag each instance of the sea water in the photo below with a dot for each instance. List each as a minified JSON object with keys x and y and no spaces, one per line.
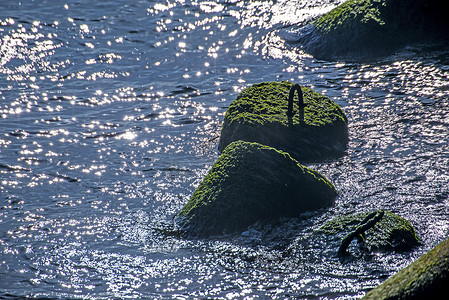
{"x":110,"y":114}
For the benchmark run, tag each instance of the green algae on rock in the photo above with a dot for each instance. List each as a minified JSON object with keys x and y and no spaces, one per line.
{"x":364,"y":28}
{"x":391,"y":232}
{"x":426,"y":278}
{"x":252,"y":183}
{"x":259,"y":114}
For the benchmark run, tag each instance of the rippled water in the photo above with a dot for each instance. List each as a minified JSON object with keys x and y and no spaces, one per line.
{"x":110,"y":114}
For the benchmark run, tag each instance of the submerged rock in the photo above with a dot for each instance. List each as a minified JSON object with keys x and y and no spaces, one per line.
{"x":259,"y":114}
{"x":252,"y":183}
{"x":390,"y":232}
{"x":426,"y":278}
{"x":364,"y":28}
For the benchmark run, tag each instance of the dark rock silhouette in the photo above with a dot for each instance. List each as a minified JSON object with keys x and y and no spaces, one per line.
{"x":260,"y":114}
{"x":426,"y":278}
{"x":367,"y":28}
{"x":377,"y":231}
{"x":252,"y":183}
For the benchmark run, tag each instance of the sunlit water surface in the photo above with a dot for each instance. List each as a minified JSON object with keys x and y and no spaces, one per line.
{"x":110,"y":114}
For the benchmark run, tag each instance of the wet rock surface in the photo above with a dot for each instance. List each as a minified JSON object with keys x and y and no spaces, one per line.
{"x":252,"y":183}
{"x":389,"y":232}
{"x":368,"y":28}
{"x":426,"y":278}
{"x":259,"y":114}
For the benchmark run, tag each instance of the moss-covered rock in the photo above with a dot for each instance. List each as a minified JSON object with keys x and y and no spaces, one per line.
{"x":391,"y":232}
{"x":259,"y":114}
{"x":252,"y":183}
{"x":426,"y":278}
{"x":362,"y":28}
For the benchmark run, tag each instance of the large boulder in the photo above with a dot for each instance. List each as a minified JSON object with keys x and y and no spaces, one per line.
{"x":252,"y":183}
{"x":365,"y":28}
{"x":390,"y":232}
{"x":259,"y":114}
{"x":426,"y":278}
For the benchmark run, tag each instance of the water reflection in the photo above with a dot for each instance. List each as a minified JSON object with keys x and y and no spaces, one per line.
{"x":110,"y":114}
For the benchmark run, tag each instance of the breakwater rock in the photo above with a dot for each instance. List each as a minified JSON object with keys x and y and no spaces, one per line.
{"x":252,"y":183}
{"x":366,"y":28}
{"x":259,"y":114}
{"x":388,"y":232}
{"x":426,"y":278}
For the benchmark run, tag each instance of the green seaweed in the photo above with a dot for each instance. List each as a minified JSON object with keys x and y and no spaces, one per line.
{"x":363,"y":11}
{"x":259,"y":114}
{"x":252,"y":183}
{"x":426,"y":278}
{"x":367,"y":28}
{"x":392,"y":232}
{"x":266,"y":103}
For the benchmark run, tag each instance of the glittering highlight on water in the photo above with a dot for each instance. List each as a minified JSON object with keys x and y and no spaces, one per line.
{"x":110,"y":115}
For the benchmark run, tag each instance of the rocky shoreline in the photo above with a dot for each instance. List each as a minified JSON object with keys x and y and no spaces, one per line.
{"x":258,"y":177}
